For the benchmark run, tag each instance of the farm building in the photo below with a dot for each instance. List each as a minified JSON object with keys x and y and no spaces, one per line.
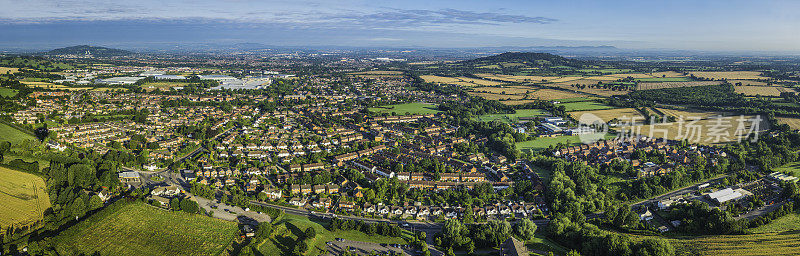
{"x":777,"y":176}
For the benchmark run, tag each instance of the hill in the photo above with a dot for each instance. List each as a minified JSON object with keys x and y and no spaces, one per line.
{"x":95,"y":51}
{"x":527,"y":58}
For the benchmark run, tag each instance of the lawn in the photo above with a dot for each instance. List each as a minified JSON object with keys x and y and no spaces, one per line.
{"x":13,"y":135}
{"x":23,"y":197}
{"x":7,"y":92}
{"x":289,"y":227}
{"x":407,"y":109}
{"x":584,"y":105}
{"x":513,"y":117}
{"x":541,"y":243}
{"x":790,"y":222}
{"x":135,"y":228}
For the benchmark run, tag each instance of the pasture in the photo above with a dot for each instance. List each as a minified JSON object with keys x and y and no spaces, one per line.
{"x":135,"y":228}
{"x":584,"y":105}
{"x":407,"y":109}
{"x":23,"y":197}
{"x":508,"y":118}
{"x":289,"y":227}
{"x":730,"y":75}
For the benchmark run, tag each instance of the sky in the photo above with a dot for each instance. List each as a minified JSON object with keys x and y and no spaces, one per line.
{"x":722,"y":25}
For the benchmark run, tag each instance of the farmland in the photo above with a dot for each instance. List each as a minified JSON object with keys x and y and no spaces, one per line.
{"x":135,"y":228}
{"x":761,"y":90}
{"x":673,"y":84}
{"x":783,"y":243}
{"x":23,"y":197}
{"x":697,"y":130}
{"x":790,"y":222}
{"x":730,"y":75}
{"x":513,"y":117}
{"x":542,"y":143}
{"x":609,"y":114}
{"x":519,"y":92}
{"x":794,"y":123}
{"x":462,"y":81}
{"x":584,"y":105}
{"x":289,"y":227}
{"x":5,"y":70}
{"x":688,"y":114}
{"x":408,"y":108}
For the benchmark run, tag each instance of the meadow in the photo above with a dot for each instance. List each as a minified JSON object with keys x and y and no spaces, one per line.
{"x":135,"y":228}
{"x":408,"y":108}
{"x":289,"y":227}
{"x":508,"y":118}
{"x":23,"y":197}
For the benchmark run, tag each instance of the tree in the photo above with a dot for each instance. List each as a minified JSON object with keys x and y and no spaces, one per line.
{"x":498,"y":231}
{"x":175,"y":204}
{"x":264,"y":230}
{"x":189,"y":206}
{"x":525,"y":229}
{"x":95,"y":202}
{"x":310,"y":233}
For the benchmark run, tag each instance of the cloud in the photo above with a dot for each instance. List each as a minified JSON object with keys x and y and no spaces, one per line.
{"x":412,"y":18}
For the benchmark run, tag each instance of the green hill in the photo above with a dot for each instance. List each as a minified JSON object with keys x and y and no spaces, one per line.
{"x":95,"y":51}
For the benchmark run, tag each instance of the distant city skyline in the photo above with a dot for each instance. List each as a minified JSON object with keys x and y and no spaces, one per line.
{"x":686,"y":25}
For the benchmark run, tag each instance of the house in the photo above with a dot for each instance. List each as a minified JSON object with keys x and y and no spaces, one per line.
{"x":164,"y":202}
{"x":319,"y":189}
{"x":645,"y":215}
{"x":126,"y":177}
{"x":322,"y":203}
{"x":167,"y":191}
{"x":297,"y":201}
{"x":273,"y":193}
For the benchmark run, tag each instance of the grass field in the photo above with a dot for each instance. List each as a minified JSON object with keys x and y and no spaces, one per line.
{"x":544,"y":142}
{"x":7,"y":92}
{"x":289,"y":227}
{"x":136,"y":228}
{"x":792,"y":168}
{"x":730,"y":75}
{"x":699,"y":131}
{"x":23,"y":197}
{"x":585,"y":105}
{"x":410,"y":108}
{"x":513,"y":117}
{"x":13,"y":135}
{"x":790,"y":222}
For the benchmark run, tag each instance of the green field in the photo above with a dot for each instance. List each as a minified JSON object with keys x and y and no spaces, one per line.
{"x":23,"y":197}
{"x":288,"y":227}
{"x":584,"y":105}
{"x":513,"y":117}
{"x":793,"y":168}
{"x":542,"y":243}
{"x":790,"y":222}
{"x":544,"y":142}
{"x":135,"y":228}
{"x":408,"y":108}
{"x":13,"y":135}
{"x":7,"y":92}
{"x":664,"y":79}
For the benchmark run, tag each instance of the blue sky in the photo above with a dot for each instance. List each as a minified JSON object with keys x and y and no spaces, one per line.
{"x":643,"y":24}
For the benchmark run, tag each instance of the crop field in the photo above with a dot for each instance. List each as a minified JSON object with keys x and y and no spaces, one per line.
{"x":289,"y":227}
{"x":410,"y":108}
{"x":378,"y":72}
{"x":673,"y":84}
{"x":495,"y":96}
{"x":505,"y":90}
{"x":163,"y":86}
{"x":609,"y":114}
{"x":551,"y":94}
{"x":54,"y":86}
{"x":783,"y":243}
{"x":761,"y":90}
{"x":664,"y":79}
{"x":689,"y":114}
{"x":595,"y":91}
{"x":730,"y":75}
{"x":522,"y":79}
{"x":136,"y":228}
{"x":789,"y":222}
{"x":584,"y":105}
{"x":513,"y":117}
{"x":704,"y":131}
{"x":794,"y":123}
{"x":5,"y":70}
{"x":462,"y":81}
{"x":23,"y":197}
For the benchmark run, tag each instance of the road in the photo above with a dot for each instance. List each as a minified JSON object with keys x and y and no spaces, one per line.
{"x":681,"y":191}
